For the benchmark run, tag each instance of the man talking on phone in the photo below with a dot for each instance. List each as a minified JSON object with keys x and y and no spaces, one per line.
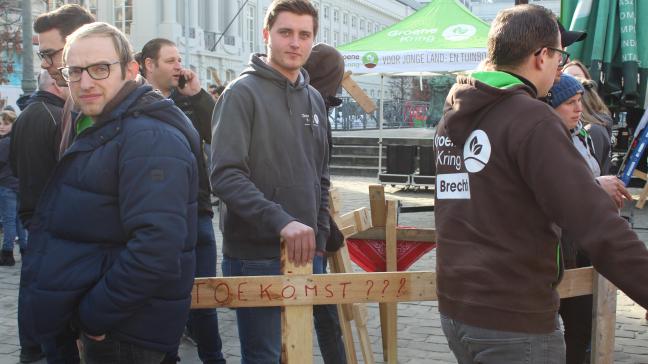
{"x":161,"y":65}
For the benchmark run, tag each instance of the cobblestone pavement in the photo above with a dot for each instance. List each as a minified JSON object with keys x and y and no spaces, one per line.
{"x":420,"y":339}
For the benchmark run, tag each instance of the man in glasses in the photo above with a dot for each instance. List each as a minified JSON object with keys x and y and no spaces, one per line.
{"x":117,"y":219}
{"x":52,"y":28}
{"x":42,"y":123}
{"x":520,"y":180}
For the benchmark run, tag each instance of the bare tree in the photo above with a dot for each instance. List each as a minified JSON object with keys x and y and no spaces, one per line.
{"x":10,"y":37}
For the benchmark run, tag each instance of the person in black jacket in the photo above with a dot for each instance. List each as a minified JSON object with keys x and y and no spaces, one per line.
{"x":34,"y":143}
{"x":161,"y":65}
{"x":8,"y":195}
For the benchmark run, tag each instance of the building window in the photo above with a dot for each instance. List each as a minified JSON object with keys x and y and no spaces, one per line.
{"x":369,"y":26}
{"x":376,"y":28}
{"x":230,"y":75}
{"x":336,"y":15}
{"x":251,"y":28}
{"x":362,"y":24}
{"x":345,"y":18}
{"x":124,"y":15}
{"x":354,"y":20}
{"x":326,"y":12}
{"x":336,"y":38}
{"x":92,"y":6}
{"x":327,"y":35}
{"x":345,"y":36}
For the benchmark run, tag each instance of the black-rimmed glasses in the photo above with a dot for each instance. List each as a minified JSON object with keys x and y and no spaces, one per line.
{"x":565,"y":55}
{"x":47,"y":55}
{"x":97,"y":71}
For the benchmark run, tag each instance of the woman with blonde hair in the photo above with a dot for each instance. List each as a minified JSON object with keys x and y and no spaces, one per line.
{"x":597,"y":120}
{"x":577,"y":69}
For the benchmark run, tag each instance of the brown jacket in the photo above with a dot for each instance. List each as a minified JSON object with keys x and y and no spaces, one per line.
{"x":507,"y":177}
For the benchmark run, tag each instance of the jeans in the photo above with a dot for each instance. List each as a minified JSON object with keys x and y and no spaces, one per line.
{"x":10,"y":222}
{"x":26,"y":330}
{"x":472,"y":344}
{"x":202,"y":324}
{"x":260,"y":328}
{"x":327,"y":325}
{"x":111,"y":351}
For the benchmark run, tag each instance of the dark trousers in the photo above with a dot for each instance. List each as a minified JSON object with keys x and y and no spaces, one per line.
{"x":111,"y":351}
{"x":576,"y":313}
{"x":202,"y":324}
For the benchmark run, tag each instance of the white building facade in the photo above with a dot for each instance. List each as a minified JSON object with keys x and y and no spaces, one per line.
{"x":216,"y":37}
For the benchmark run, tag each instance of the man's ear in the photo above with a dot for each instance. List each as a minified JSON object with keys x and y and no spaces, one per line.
{"x":266,"y":35}
{"x":540,"y":61}
{"x":132,"y":69}
{"x":148,"y":66}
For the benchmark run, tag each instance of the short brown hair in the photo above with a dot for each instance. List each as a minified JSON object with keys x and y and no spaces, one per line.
{"x":66,"y":19}
{"x":299,"y":7}
{"x":99,"y":29}
{"x":518,"y":32}
{"x":152,"y":50}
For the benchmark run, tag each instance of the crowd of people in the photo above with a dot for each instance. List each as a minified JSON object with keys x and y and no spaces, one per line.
{"x":112,"y":164}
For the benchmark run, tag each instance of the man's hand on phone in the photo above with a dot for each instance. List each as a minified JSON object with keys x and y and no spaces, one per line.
{"x":300,"y":242}
{"x":192,"y":85}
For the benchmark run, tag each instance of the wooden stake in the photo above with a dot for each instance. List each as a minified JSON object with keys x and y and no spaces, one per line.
{"x":296,"y":321}
{"x":358,"y":94}
{"x":604,"y":320}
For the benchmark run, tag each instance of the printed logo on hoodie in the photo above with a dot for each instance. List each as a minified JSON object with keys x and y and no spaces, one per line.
{"x":477,"y":151}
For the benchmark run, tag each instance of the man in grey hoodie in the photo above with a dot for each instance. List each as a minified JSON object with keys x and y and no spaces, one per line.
{"x":269,"y":167}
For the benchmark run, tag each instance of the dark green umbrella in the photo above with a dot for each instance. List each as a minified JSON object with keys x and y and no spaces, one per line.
{"x":616,"y":48}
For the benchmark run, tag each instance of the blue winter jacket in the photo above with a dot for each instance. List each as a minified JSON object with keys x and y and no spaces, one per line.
{"x":113,"y":235}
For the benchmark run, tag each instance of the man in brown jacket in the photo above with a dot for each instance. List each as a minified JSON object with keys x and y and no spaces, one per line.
{"x":508,"y":179}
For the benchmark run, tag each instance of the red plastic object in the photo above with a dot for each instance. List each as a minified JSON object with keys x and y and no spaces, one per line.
{"x":370,"y":255}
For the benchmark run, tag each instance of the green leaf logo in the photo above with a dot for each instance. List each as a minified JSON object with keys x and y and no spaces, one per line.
{"x":370,"y":59}
{"x":459,"y":32}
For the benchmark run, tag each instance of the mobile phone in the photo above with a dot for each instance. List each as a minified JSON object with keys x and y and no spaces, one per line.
{"x":182,"y":81}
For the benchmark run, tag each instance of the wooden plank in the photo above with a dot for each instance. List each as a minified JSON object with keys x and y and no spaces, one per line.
{"x":335,"y":202}
{"x":362,"y":219}
{"x":340,"y":265}
{"x":296,"y":321}
{"x":377,"y":205}
{"x":390,"y":344}
{"x":360,"y":315}
{"x":347,"y":337}
{"x":337,"y":288}
{"x":365,"y":102}
{"x":639,"y":174}
{"x":642,"y":197}
{"x":576,"y":282}
{"x":378,"y":233}
{"x":604,"y":317}
{"x":351,"y":218}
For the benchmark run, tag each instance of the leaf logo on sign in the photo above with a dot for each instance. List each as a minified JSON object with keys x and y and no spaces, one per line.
{"x":370,"y":59}
{"x":459,"y":32}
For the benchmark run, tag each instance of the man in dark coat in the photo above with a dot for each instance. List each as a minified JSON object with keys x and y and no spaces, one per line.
{"x":114,"y":231}
{"x":161,"y":65}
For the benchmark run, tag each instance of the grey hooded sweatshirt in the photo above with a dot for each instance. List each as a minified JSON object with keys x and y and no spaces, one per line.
{"x":269,"y":160}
